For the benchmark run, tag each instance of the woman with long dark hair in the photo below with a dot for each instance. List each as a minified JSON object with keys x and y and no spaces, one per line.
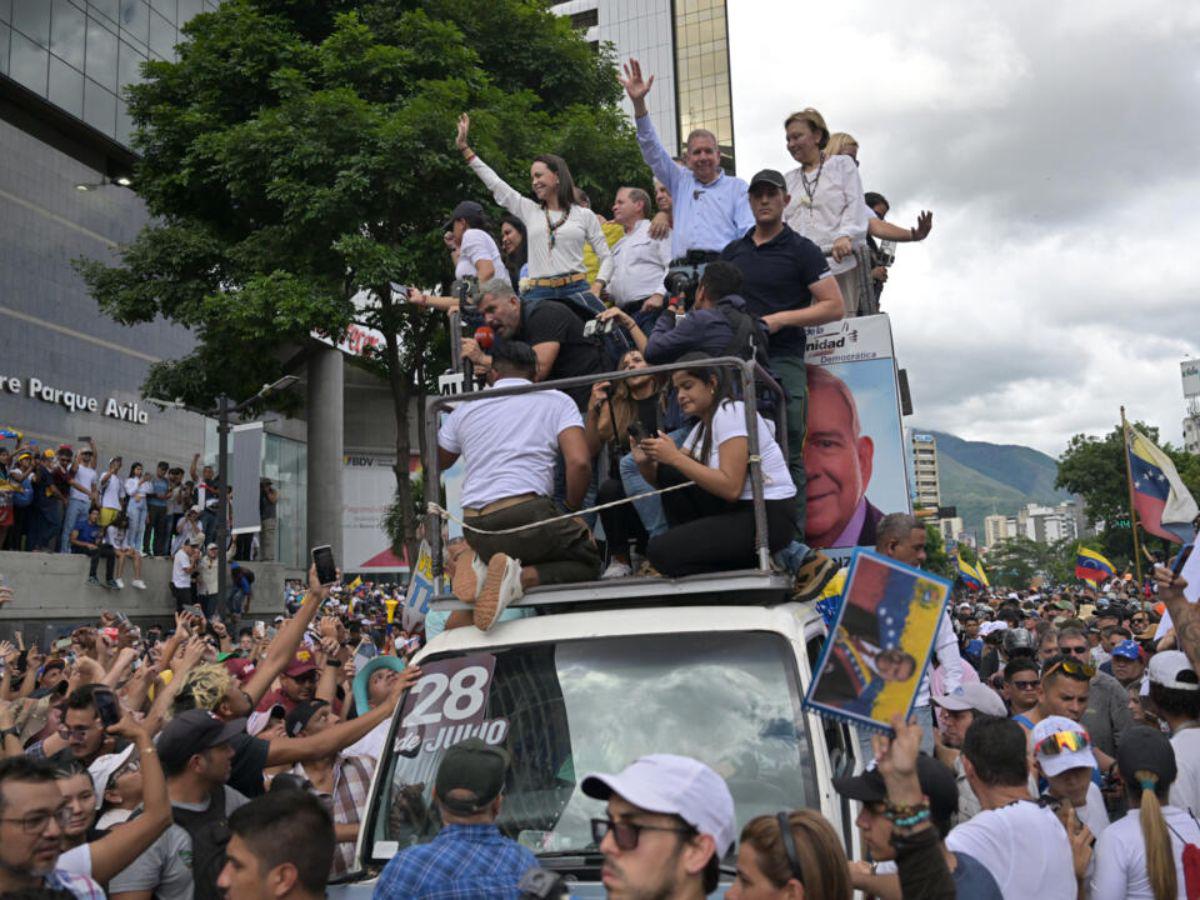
{"x":804,"y":861}
{"x":514,"y":249}
{"x":712,"y":521}
{"x":556,"y":226}
{"x":1141,"y":855}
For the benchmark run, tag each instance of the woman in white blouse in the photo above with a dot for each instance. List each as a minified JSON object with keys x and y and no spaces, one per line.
{"x":827,"y":201}
{"x":556,"y":229}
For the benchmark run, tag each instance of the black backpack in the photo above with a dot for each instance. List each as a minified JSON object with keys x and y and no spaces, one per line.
{"x":749,"y":341}
{"x":209,"y":831}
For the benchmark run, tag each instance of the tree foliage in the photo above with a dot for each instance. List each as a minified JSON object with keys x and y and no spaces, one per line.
{"x":298,"y":157}
{"x":936,"y":558}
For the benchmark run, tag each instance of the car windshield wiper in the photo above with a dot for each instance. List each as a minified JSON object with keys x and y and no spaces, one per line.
{"x":566,"y":858}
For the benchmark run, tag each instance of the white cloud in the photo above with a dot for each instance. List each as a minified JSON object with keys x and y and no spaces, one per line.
{"x":1056,"y":145}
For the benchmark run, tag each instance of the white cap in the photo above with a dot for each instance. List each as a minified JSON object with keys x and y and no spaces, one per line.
{"x":991,"y":627}
{"x":1065,"y":760}
{"x":673,"y":785}
{"x":975,"y":696}
{"x":103,"y":768}
{"x":1166,"y":667}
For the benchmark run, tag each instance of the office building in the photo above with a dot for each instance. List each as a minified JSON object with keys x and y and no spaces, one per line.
{"x":684,"y":44}
{"x":997,"y":529}
{"x":1190,"y":371}
{"x":68,"y":371}
{"x":927,"y":491}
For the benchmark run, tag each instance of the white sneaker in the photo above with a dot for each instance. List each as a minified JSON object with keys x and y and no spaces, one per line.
{"x":139,"y":584}
{"x":120,"y":583}
{"x":500,"y":588}
{"x":617,"y":569}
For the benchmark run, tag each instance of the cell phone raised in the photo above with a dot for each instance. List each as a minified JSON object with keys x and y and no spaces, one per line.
{"x":1181,"y":560}
{"x":322,"y":558}
{"x":638,"y":432}
{"x":107,"y":707}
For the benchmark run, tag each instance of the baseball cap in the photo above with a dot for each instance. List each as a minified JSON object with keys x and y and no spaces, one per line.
{"x":197,"y":509}
{"x":192,"y":732}
{"x":1128,"y":649}
{"x":301,"y":663}
{"x":103,"y":769}
{"x":673,"y":785}
{"x":1066,"y":757}
{"x":240,"y":668}
{"x":466,"y":209}
{"x":1171,"y":669}
{"x":769,"y":176}
{"x":973,"y":696}
{"x":936,"y":780}
{"x":297,"y":719}
{"x":475,"y":766}
{"x":1146,"y":748}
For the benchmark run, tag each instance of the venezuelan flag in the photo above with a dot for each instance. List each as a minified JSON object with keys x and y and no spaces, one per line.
{"x":1092,"y":566}
{"x":969,"y":576}
{"x":1164,"y":506}
{"x":356,"y":583}
{"x":982,"y":574}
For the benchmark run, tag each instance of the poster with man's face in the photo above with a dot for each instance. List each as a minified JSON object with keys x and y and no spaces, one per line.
{"x":854,"y":451}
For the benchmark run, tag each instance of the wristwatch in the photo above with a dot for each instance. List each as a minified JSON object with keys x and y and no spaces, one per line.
{"x":5,"y":732}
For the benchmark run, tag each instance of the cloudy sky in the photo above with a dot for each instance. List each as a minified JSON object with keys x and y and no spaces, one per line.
{"x":1057,"y":146}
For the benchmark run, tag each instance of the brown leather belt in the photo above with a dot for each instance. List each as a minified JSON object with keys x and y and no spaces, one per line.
{"x":497,"y":505}
{"x":555,"y":282}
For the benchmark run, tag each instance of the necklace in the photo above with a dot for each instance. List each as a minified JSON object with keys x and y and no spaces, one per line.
{"x":552,"y":227}
{"x":810,"y":188}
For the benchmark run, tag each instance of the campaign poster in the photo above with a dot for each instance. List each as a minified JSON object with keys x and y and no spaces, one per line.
{"x":368,"y":489}
{"x":875,"y":656}
{"x":854,"y":450}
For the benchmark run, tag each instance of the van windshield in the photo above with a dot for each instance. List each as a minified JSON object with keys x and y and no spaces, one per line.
{"x":729,"y":699}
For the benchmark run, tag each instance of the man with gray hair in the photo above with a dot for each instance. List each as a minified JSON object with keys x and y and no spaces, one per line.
{"x":710,"y":208}
{"x":551,"y":328}
{"x":639,"y":261}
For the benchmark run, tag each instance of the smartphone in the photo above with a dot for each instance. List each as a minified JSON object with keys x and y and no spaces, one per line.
{"x":63,"y":644}
{"x":322,"y":558}
{"x":260,"y":630}
{"x":84,"y":439}
{"x":638,"y":432}
{"x":107,"y":707}
{"x":1181,"y":560}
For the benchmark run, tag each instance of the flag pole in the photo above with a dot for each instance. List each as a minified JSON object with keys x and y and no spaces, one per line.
{"x":1133,"y":525}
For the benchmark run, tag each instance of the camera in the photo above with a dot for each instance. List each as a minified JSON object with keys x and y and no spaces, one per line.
{"x":596,"y":327}
{"x":683,"y":280}
{"x":540,"y":884}
{"x":466,"y":291}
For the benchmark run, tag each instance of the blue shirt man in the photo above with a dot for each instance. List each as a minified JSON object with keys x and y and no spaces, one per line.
{"x":710,"y":208}
{"x":469,"y":859}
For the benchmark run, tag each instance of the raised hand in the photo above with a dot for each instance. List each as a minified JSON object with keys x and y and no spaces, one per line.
{"x":7,"y":651}
{"x":635,"y":86}
{"x":464,"y":128}
{"x":408,"y":677}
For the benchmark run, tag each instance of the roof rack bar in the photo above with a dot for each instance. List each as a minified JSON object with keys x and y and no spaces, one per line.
{"x":750,"y":373}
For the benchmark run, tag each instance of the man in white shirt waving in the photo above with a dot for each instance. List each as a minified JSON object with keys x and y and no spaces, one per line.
{"x":510,"y":445}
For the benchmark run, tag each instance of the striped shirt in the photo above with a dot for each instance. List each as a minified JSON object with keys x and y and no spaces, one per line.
{"x":351,"y":781}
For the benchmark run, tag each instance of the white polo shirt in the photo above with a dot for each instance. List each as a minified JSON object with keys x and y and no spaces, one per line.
{"x":509,"y":444}
{"x":639,"y":265}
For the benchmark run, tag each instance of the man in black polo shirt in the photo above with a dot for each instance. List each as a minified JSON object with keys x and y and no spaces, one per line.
{"x":787,"y":283}
{"x":551,"y":328}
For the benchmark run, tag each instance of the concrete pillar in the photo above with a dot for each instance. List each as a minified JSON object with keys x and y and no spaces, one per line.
{"x":325,"y":430}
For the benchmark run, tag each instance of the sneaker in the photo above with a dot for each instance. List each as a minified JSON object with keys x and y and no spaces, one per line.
{"x":501,"y":586}
{"x":617,"y":569}
{"x":469,"y":574}
{"x":812,"y":576}
{"x":94,"y":581}
{"x":112,"y":585}
{"x":647,"y":570}
{"x":139,"y":584}
{"x":120,"y":584}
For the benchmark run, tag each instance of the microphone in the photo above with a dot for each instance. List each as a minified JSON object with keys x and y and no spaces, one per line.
{"x":484,"y":337}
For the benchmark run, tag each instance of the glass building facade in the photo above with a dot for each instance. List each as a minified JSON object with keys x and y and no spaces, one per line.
{"x":79,"y":54}
{"x":702,"y":89}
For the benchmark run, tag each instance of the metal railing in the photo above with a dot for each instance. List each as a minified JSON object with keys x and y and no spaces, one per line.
{"x":751,"y":377}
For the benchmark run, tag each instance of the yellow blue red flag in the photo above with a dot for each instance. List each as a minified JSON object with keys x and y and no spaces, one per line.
{"x":1091,"y":565}
{"x":1164,"y":506}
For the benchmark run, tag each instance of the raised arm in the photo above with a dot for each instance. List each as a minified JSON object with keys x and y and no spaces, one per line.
{"x":886,"y":231}
{"x":665,"y":168}
{"x":505,"y":194}
{"x":283,"y":648}
{"x":1184,"y":616}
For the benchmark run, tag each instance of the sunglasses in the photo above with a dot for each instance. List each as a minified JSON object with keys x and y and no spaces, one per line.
{"x":1025,"y":685}
{"x":1063,"y":742}
{"x":626,"y":834}
{"x":1080,"y":650}
{"x":1072,"y":667}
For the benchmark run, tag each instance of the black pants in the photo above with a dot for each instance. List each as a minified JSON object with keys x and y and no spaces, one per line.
{"x":708,"y":534}
{"x":156,"y":541}
{"x":622,"y":525}
{"x":183,"y":597}
{"x":105,"y":552}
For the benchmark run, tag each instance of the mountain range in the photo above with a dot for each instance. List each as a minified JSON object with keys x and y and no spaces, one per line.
{"x":983,"y":479}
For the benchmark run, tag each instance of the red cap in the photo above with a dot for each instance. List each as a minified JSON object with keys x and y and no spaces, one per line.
{"x":301,"y":664}
{"x":241,"y":669}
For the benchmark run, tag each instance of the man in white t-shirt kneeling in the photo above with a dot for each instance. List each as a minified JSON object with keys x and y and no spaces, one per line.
{"x":509,"y":446}
{"x":1021,"y":842}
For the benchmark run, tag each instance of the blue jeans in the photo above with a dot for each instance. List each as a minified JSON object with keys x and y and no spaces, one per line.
{"x":77,"y":510}
{"x":577,"y":293}
{"x":137,"y":525}
{"x":649,"y":509}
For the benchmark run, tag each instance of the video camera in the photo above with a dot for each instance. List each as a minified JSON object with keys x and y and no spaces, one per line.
{"x":683,"y":280}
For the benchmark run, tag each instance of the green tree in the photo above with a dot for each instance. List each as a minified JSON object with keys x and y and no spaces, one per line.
{"x":298,"y":158}
{"x":936,"y":558}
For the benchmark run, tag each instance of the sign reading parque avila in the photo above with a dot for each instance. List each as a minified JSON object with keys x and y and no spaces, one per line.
{"x":36,"y":389}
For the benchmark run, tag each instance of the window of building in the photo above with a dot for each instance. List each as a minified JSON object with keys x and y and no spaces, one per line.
{"x":586,"y":19}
